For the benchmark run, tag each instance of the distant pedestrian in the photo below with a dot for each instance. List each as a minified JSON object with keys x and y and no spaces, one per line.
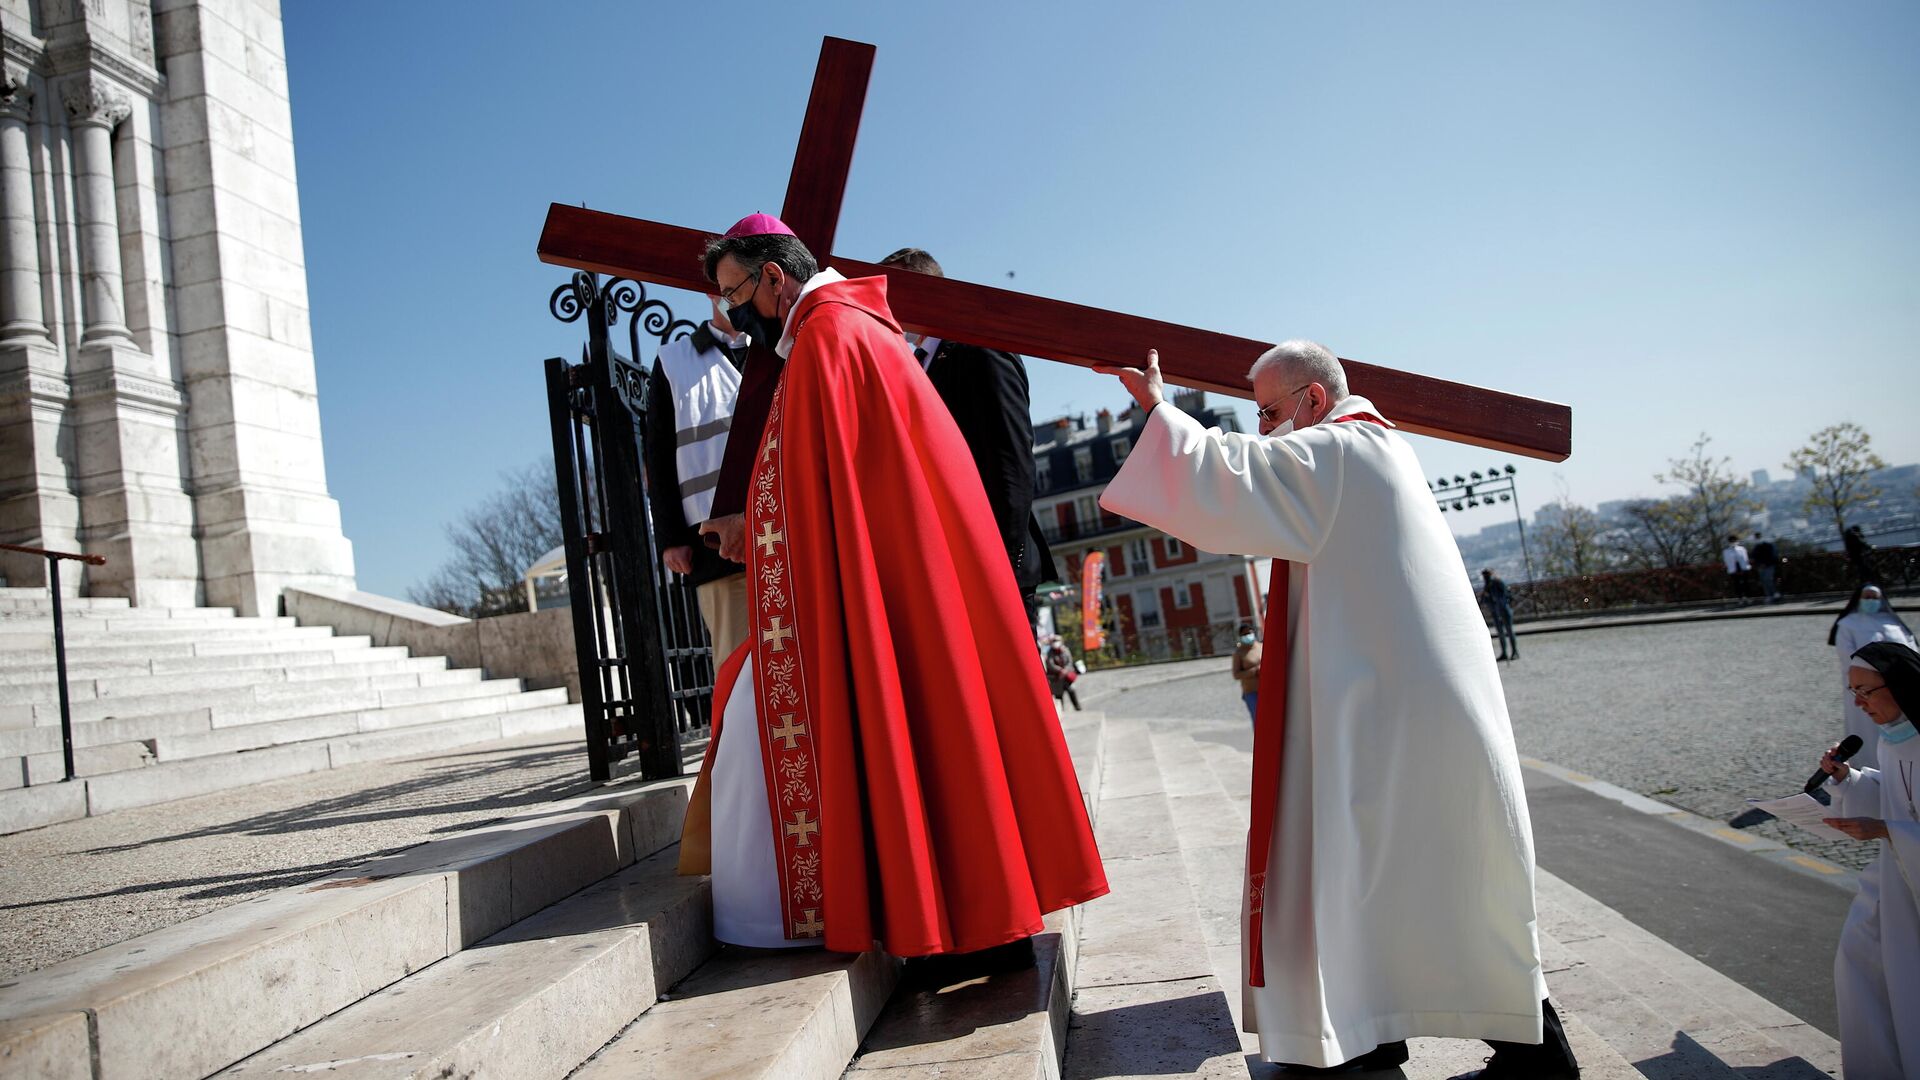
{"x":1246,"y":668}
{"x":1493,"y":593}
{"x":1766,"y":563}
{"x":1738,"y":567}
{"x":1867,"y":618}
{"x":1859,"y":555}
{"x":1061,"y":672}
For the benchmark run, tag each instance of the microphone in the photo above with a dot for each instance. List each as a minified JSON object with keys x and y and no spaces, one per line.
{"x":1848,"y":747}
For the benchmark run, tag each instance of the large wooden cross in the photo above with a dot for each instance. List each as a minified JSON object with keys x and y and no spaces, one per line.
{"x":1019,"y":322}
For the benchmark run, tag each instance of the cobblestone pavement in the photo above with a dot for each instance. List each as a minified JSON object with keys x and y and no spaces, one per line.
{"x":74,"y":887}
{"x":1701,"y":715}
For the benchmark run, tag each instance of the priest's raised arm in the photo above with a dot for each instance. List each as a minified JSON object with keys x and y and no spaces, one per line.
{"x":1231,"y":493}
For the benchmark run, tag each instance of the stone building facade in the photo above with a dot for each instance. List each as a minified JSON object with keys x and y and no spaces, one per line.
{"x":1163,"y":598}
{"x":157,"y":389}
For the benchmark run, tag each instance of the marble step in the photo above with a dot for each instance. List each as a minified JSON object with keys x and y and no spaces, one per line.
{"x":1615,"y":1032}
{"x":192,"y":999}
{"x":149,"y":614}
{"x":137,"y":685}
{"x":226,"y":740}
{"x":166,"y":781}
{"x":1146,"y":1000}
{"x":83,"y":656}
{"x":531,"y":1002}
{"x":106,"y":633}
{"x":194,"y":734}
{"x":796,"y":1014}
{"x":43,"y":602}
{"x":190,"y":664}
{"x":1012,"y":1024}
{"x":144,"y":621}
{"x":1674,"y":1016}
{"x":255,"y":702}
{"x":28,"y":770}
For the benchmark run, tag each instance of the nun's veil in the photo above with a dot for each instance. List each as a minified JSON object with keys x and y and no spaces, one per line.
{"x":1900,"y":666}
{"x":1853,"y":605}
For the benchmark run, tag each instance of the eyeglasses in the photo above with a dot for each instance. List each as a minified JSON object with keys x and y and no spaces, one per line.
{"x":1268,"y":414}
{"x":727,"y":302}
{"x":1863,"y":695}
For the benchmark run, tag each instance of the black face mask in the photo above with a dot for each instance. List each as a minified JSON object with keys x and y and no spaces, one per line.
{"x":745,"y":320}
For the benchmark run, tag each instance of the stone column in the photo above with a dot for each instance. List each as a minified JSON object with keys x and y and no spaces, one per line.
{"x":38,"y":506}
{"x":95,"y":108}
{"x":21,"y":317}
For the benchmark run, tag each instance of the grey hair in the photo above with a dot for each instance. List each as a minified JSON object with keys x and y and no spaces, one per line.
{"x":1303,"y":361}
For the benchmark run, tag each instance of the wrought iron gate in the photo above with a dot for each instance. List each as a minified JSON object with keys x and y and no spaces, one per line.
{"x":646,"y":665}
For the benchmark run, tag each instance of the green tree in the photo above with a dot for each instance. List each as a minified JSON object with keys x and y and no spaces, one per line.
{"x":1712,"y":504}
{"x":1654,"y":536}
{"x":1838,"y":460}
{"x":1570,"y":540}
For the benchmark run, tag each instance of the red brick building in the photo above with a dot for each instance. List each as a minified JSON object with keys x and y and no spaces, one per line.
{"x":1163,"y":598}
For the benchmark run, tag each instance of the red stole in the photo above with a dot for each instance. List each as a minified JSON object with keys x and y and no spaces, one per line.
{"x":1269,"y":730}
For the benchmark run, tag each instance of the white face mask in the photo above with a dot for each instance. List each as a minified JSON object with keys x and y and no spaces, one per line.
{"x":1286,"y":427}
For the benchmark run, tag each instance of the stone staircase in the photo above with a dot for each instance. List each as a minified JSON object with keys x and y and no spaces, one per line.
{"x":561,"y":943}
{"x":171,"y":703}
{"x":1633,"y":1005}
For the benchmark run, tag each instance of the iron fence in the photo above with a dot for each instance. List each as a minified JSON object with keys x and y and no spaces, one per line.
{"x":646,"y":665}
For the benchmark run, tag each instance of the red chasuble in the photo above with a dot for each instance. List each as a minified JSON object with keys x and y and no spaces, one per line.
{"x":920,"y":788}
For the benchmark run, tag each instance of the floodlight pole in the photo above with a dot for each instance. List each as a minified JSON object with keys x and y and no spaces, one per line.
{"x":1497,"y":482}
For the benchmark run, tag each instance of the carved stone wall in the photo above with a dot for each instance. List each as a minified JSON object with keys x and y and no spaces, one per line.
{"x":157,"y":393}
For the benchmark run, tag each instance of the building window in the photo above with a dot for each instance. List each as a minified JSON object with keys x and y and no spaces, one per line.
{"x":1146,"y":609}
{"x":1083,"y":464}
{"x":1120,"y":448}
{"x":1042,"y":474}
{"x":1182,"y":595}
{"x":1138,"y":555}
{"x":1088,"y":510}
{"x":1175,"y":549}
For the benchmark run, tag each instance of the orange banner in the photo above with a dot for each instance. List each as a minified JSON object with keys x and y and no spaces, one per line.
{"x":1093,"y":633}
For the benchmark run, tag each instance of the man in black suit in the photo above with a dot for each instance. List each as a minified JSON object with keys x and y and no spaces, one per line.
{"x":986,"y":391}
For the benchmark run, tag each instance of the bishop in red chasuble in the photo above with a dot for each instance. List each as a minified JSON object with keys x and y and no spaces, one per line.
{"x":886,"y":764}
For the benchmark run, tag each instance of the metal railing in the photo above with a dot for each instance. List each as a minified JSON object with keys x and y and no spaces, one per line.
{"x":59,"y":635}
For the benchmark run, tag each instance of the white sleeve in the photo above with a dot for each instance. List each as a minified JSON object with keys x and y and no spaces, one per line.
{"x":1230,"y":493}
{"x":1858,"y":795}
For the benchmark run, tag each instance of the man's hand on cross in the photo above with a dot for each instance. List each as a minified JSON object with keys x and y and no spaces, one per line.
{"x":1143,"y":384}
{"x":729,"y":535}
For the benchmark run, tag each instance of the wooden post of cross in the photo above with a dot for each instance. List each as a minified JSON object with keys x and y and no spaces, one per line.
{"x":1019,"y":322}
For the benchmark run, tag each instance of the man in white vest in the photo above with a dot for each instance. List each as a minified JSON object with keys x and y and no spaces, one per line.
{"x":690,"y":399}
{"x":1389,"y":885}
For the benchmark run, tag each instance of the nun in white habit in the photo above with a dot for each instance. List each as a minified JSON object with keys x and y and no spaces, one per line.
{"x":1876,"y":973}
{"x":1867,"y":618}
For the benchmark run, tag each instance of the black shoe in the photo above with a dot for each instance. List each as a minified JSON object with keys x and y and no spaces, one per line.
{"x":946,"y":969}
{"x":1502,"y":656}
{"x":1504,"y":1066}
{"x":1384,"y":1056}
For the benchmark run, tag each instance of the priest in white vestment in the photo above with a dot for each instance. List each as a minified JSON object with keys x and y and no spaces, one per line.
{"x":1395,"y":896}
{"x":1876,"y":973}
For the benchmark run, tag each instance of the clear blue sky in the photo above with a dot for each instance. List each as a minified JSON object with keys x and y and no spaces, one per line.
{"x":1676,"y":217}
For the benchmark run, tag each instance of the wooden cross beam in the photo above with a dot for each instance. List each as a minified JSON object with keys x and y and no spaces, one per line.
{"x":1020,"y":322}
